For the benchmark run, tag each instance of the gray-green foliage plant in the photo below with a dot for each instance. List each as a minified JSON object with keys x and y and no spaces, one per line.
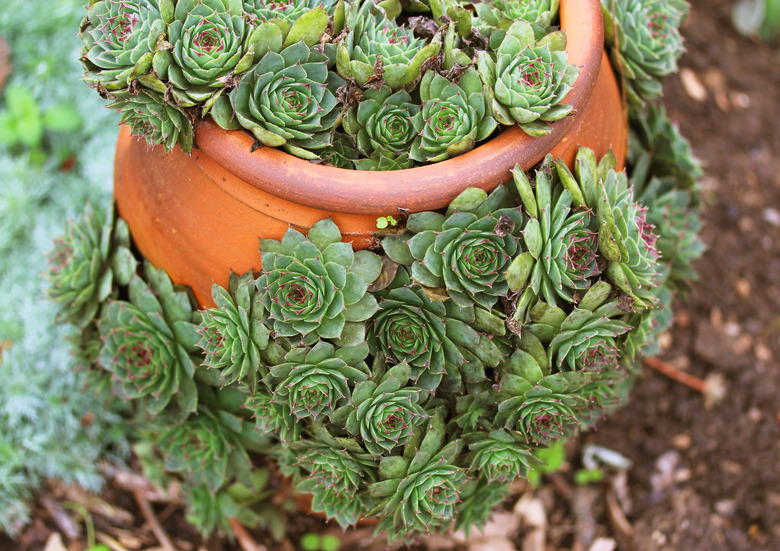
{"x":50,"y":428}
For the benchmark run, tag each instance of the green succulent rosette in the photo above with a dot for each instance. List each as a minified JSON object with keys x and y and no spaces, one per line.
{"x":384,"y":413}
{"x":287,"y":100}
{"x":383,"y":160}
{"x":453,"y":117}
{"x":502,"y":13}
{"x":561,"y":250}
{"x":534,"y":402}
{"x":479,"y":500}
{"x":664,"y":174}
{"x":585,"y":339}
{"x":210,"y":45}
{"x":149,"y":343}
{"x":279,"y":24}
{"x":273,"y":417}
{"x":382,"y":122}
{"x":312,"y":383}
{"x":120,"y":39}
{"x":207,"y":448}
{"x":344,"y":508}
{"x":87,"y":261}
{"x":646,"y":43}
{"x":468,"y":250}
{"x":433,"y":337}
{"x":286,"y":10}
{"x":627,"y":241}
{"x":421,"y":488}
{"x":315,"y":288}
{"x":377,"y":48}
{"x":527,"y":81}
{"x":150,"y":117}
{"x":342,"y":153}
{"x":233,"y":335}
{"x":338,"y":470}
{"x":499,"y":456}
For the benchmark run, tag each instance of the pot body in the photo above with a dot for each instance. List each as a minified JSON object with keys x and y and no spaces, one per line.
{"x":200,"y":216}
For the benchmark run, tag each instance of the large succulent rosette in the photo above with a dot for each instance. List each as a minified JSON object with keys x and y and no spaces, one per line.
{"x":646,"y":43}
{"x":453,"y":117}
{"x":313,"y":383}
{"x":468,"y":250}
{"x":86,"y":262}
{"x":528,"y":80}
{"x":376,"y":48}
{"x":288,"y":100}
{"x":149,"y":343}
{"x":151,"y":118}
{"x":382,"y":123}
{"x":503,"y":12}
{"x":233,"y":335}
{"x":210,"y":45}
{"x":120,"y":39}
{"x":561,"y":249}
{"x":315,"y":287}
{"x":385,"y":414}
{"x":436,"y":338}
{"x":421,"y":488}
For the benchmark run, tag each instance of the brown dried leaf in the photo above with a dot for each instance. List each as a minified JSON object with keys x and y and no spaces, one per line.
{"x":436,"y":294}
{"x":505,"y":226}
{"x":386,"y":276}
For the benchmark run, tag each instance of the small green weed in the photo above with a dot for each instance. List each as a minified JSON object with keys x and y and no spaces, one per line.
{"x":315,"y":542}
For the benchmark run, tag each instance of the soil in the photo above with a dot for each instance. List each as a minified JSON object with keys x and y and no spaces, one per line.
{"x":703,"y":477}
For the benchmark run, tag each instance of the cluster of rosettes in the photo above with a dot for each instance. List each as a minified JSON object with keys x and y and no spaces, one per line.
{"x":353,"y":83}
{"x":408,"y":383}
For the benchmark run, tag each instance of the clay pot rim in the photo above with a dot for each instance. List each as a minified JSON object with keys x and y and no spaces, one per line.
{"x":333,"y":189}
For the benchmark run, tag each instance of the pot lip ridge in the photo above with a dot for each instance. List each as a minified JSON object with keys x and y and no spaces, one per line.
{"x":421,"y":188}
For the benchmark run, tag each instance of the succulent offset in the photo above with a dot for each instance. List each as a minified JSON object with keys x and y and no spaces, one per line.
{"x":646,"y":43}
{"x":410,"y":383}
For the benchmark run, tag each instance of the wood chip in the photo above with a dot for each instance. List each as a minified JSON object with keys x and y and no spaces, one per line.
{"x":54,"y":543}
{"x":62,"y":518}
{"x":151,"y":519}
{"x":620,"y":525}
{"x":533,"y":520}
{"x":583,"y":504}
{"x":246,"y":541}
{"x":692,"y":85}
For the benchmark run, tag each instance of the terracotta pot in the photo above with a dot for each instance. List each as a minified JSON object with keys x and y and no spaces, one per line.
{"x":199,"y":217}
